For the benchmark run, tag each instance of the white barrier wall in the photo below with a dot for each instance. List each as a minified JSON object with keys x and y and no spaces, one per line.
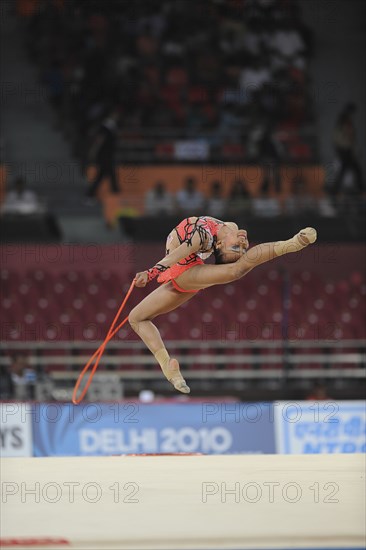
{"x":92,"y":429}
{"x":16,"y":429}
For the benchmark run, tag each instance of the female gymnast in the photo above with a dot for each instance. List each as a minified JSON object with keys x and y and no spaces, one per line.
{"x":182,"y":274}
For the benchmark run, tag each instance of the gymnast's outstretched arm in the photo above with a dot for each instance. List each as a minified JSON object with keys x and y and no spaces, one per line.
{"x":182,"y":251}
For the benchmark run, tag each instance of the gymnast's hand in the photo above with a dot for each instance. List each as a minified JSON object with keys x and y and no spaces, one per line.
{"x":141,"y":279}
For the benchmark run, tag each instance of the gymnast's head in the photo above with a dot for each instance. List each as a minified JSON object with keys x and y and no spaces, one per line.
{"x":231,"y":243}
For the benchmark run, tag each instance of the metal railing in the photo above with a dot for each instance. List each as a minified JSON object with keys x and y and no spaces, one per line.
{"x":331,"y":359}
{"x":139,"y":144}
{"x":223,"y":365}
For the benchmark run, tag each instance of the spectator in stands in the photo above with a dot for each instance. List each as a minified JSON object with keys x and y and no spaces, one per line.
{"x":54,"y":79}
{"x":216,"y":204}
{"x":265,"y":205}
{"x":299,"y":202}
{"x":189,"y":200}
{"x":146,"y":43}
{"x":239,"y":201}
{"x":159,"y":201}
{"x":23,"y":377}
{"x":230,"y":124}
{"x":6,"y":383}
{"x":197,"y":117}
{"x":252,"y":79}
{"x":263,"y":145}
{"x":319,"y":392}
{"x":21,"y":201}
{"x":103,"y":152}
{"x":344,"y":140}
{"x":18,"y":369}
{"x":253,"y":40}
{"x":287,"y":46}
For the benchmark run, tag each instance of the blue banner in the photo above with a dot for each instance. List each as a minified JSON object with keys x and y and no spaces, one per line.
{"x":320,"y":427}
{"x":97,"y":429}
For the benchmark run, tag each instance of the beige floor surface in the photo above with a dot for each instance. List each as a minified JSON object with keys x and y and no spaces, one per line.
{"x":181,"y":502}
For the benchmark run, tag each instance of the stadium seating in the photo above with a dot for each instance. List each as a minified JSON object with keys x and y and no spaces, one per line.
{"x":80,"y":305}
{"x":202,"y":66}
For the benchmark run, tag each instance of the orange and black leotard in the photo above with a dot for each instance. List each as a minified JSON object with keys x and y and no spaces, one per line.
{"x":207,"y":228}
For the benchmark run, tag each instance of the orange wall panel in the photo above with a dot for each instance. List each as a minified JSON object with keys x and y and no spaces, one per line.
{"x":135,"y":181}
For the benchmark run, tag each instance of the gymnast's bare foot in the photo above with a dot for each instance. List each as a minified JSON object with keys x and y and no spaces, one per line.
{"x":174,"y":376}
{"x":299,"y":241}
{"x":307,"y":236}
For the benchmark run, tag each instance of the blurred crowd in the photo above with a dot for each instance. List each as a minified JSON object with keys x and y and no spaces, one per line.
{"x":22,"y":201}
{"x":189,"y":201}
{"x":235,"y":71}
{"x":17,"y":381}
{"x":232,"y":72}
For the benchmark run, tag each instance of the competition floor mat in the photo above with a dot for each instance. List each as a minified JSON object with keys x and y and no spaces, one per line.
{"x":184,"y":502}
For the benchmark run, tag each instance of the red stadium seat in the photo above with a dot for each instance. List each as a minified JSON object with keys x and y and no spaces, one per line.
{"x":75,"y":305}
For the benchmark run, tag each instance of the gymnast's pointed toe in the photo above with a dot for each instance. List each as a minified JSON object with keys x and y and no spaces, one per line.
{"x":176,"y":377}
{"x":181,"y":386}
{"x":307,"y":236}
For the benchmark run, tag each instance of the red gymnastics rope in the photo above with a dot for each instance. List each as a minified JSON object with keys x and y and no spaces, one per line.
{"x":99,"y":352}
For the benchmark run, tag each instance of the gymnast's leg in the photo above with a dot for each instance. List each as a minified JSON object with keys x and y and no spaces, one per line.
{"x":268,"y":251}
{"x":203,"y":276}
{"x":162,"y":300}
